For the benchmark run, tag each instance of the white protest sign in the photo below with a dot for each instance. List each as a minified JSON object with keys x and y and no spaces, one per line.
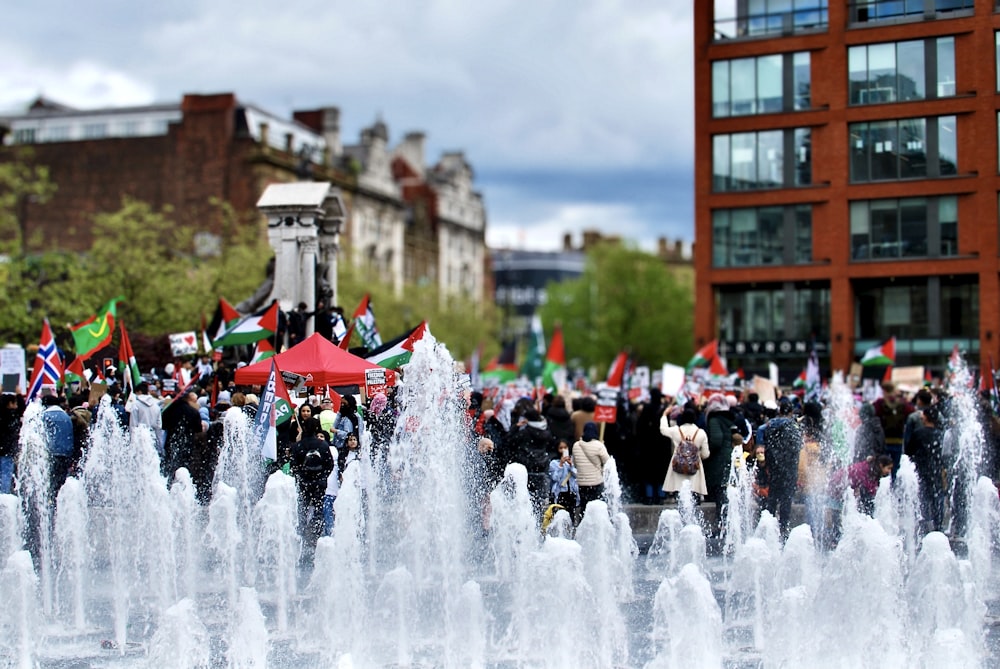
{"x":12,"y":368}
{"x":183,"y":343}
{"x":673,"y":380}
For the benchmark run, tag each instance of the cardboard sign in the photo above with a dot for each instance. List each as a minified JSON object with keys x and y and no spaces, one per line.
{"x":13,"y":369}
{"x":854,"y":376}
{"x":909,"y":379}
{"x":673,"y":380}
{"x":97,"y":391}
{"x":764,"y":389}
{"x":376,"y":381}
{"x":183,"y":343}
{"x":169,"y":386}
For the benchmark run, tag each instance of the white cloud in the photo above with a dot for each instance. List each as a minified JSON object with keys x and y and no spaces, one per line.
{"x":552,"y":222}
{"x":83,"y":83}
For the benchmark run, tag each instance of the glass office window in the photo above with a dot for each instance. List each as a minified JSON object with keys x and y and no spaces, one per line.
{"x":755,"y":160}
{"x":895,"y":71}
{"x":760,"y":314}
{"x":749,"y":237}
{"x":911,"y":148}
{"x":745,"y":86}
{"x":904,"y":228}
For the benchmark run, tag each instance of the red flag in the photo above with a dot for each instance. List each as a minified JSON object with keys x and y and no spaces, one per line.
{"x":717,"y":367}
{"x":345,"y":343}
{"x":334,"y":397}
{"x":617,"y":371}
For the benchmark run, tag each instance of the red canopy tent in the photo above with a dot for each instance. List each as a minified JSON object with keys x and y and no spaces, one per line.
{"x":317,"y":357}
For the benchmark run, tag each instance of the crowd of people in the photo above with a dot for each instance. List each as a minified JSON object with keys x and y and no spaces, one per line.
{"x":660,"y":446}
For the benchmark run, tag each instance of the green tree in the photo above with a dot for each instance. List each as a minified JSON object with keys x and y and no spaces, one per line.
{"x":625,"y":299}
{"x":457,"y":321}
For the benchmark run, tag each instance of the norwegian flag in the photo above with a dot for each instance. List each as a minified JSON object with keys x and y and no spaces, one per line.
{"x":48,"y":368}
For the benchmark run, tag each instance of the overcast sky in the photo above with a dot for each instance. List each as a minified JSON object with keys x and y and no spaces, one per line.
{"x":574,"y":113}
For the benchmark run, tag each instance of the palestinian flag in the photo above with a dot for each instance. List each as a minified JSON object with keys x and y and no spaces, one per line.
{"x":127,"y":366}
{"x":262,"y":351}
{"x":275,"y":408}
{"x":534,"y":362}
{"x":800,"y":380}
{"x":225,"y":317}
{"x":502,"y":368}
{"x":364,"y":318}
{"x":880,"y":356}
{"x":616,"y":374}
{"x":396,"y":353}
{"x":554,"y":374}
{"x":705,"y":355}
{"x":251,"y":329}
{"x":95,"y":333}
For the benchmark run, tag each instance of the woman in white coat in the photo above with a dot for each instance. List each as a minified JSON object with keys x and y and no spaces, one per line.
{"x":686,"y":428}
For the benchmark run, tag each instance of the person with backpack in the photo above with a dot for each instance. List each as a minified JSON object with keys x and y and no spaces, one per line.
{"x":690,"y":448}
{"x":892,"y":410}
{"x":311,"y":465}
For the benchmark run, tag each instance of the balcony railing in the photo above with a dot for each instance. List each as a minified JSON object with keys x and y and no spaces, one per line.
{"x":862,"y":12}
{"x":772,"y":24}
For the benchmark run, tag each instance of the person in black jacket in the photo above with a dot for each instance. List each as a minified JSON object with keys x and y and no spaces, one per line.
{"x":558,"y":419}
{"x":925,"y":449}
{"x":11,"y":411}
{"x":655,"y":450}
{"x":311,"y":464}
{"x":782,"y":444}
{"x":533,"y":446}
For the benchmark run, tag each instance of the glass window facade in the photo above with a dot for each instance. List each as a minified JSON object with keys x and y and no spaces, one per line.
{"x":936,"y":307}
{"x":786,"y":311}
{"x":751,"y":237}
{"x":899,"y":71}
{"x":766,"y":159}
{"x":910,"y":148}
{"x":736,"y":19}
{"x":745,"y":86}
{"x":914,"y":227}
{"x":866,"y":11}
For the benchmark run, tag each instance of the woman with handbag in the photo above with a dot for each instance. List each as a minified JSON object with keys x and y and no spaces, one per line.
{"x":590,"y":455}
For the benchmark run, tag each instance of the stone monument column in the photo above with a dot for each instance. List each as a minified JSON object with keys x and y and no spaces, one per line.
{"x":307,"y":275}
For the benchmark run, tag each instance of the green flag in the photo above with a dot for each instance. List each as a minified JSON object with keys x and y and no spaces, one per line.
{"x":95,"y":333}
{"x":534,"y":358}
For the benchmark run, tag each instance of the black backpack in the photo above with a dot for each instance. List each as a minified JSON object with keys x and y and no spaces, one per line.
{"x":687,"y":455}
{"x":313,"y":462}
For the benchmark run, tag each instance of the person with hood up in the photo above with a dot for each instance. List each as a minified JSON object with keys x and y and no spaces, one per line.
{"x":559,"y":421}
{"x":590,"y":455}
{"x":869,"y":440}
{"x":532,"y":445}
{"x":654,"y":448}
{"x":312,"y":463}
{"x":685,"y":433}
{"x":719,"y":426}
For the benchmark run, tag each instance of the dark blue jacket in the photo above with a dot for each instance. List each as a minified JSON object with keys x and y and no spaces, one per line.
{"x":58,"y":431}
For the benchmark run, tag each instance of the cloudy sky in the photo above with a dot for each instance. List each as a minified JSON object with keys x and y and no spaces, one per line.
{"x":574,"y":113}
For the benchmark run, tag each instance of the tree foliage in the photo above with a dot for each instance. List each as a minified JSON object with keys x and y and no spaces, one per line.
{"x":625,"y":299}
{"x":457,"y":321}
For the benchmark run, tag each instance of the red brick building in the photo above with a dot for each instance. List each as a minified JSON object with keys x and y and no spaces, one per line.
{"x":846,"y":179}
{"x":215,"y":148}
